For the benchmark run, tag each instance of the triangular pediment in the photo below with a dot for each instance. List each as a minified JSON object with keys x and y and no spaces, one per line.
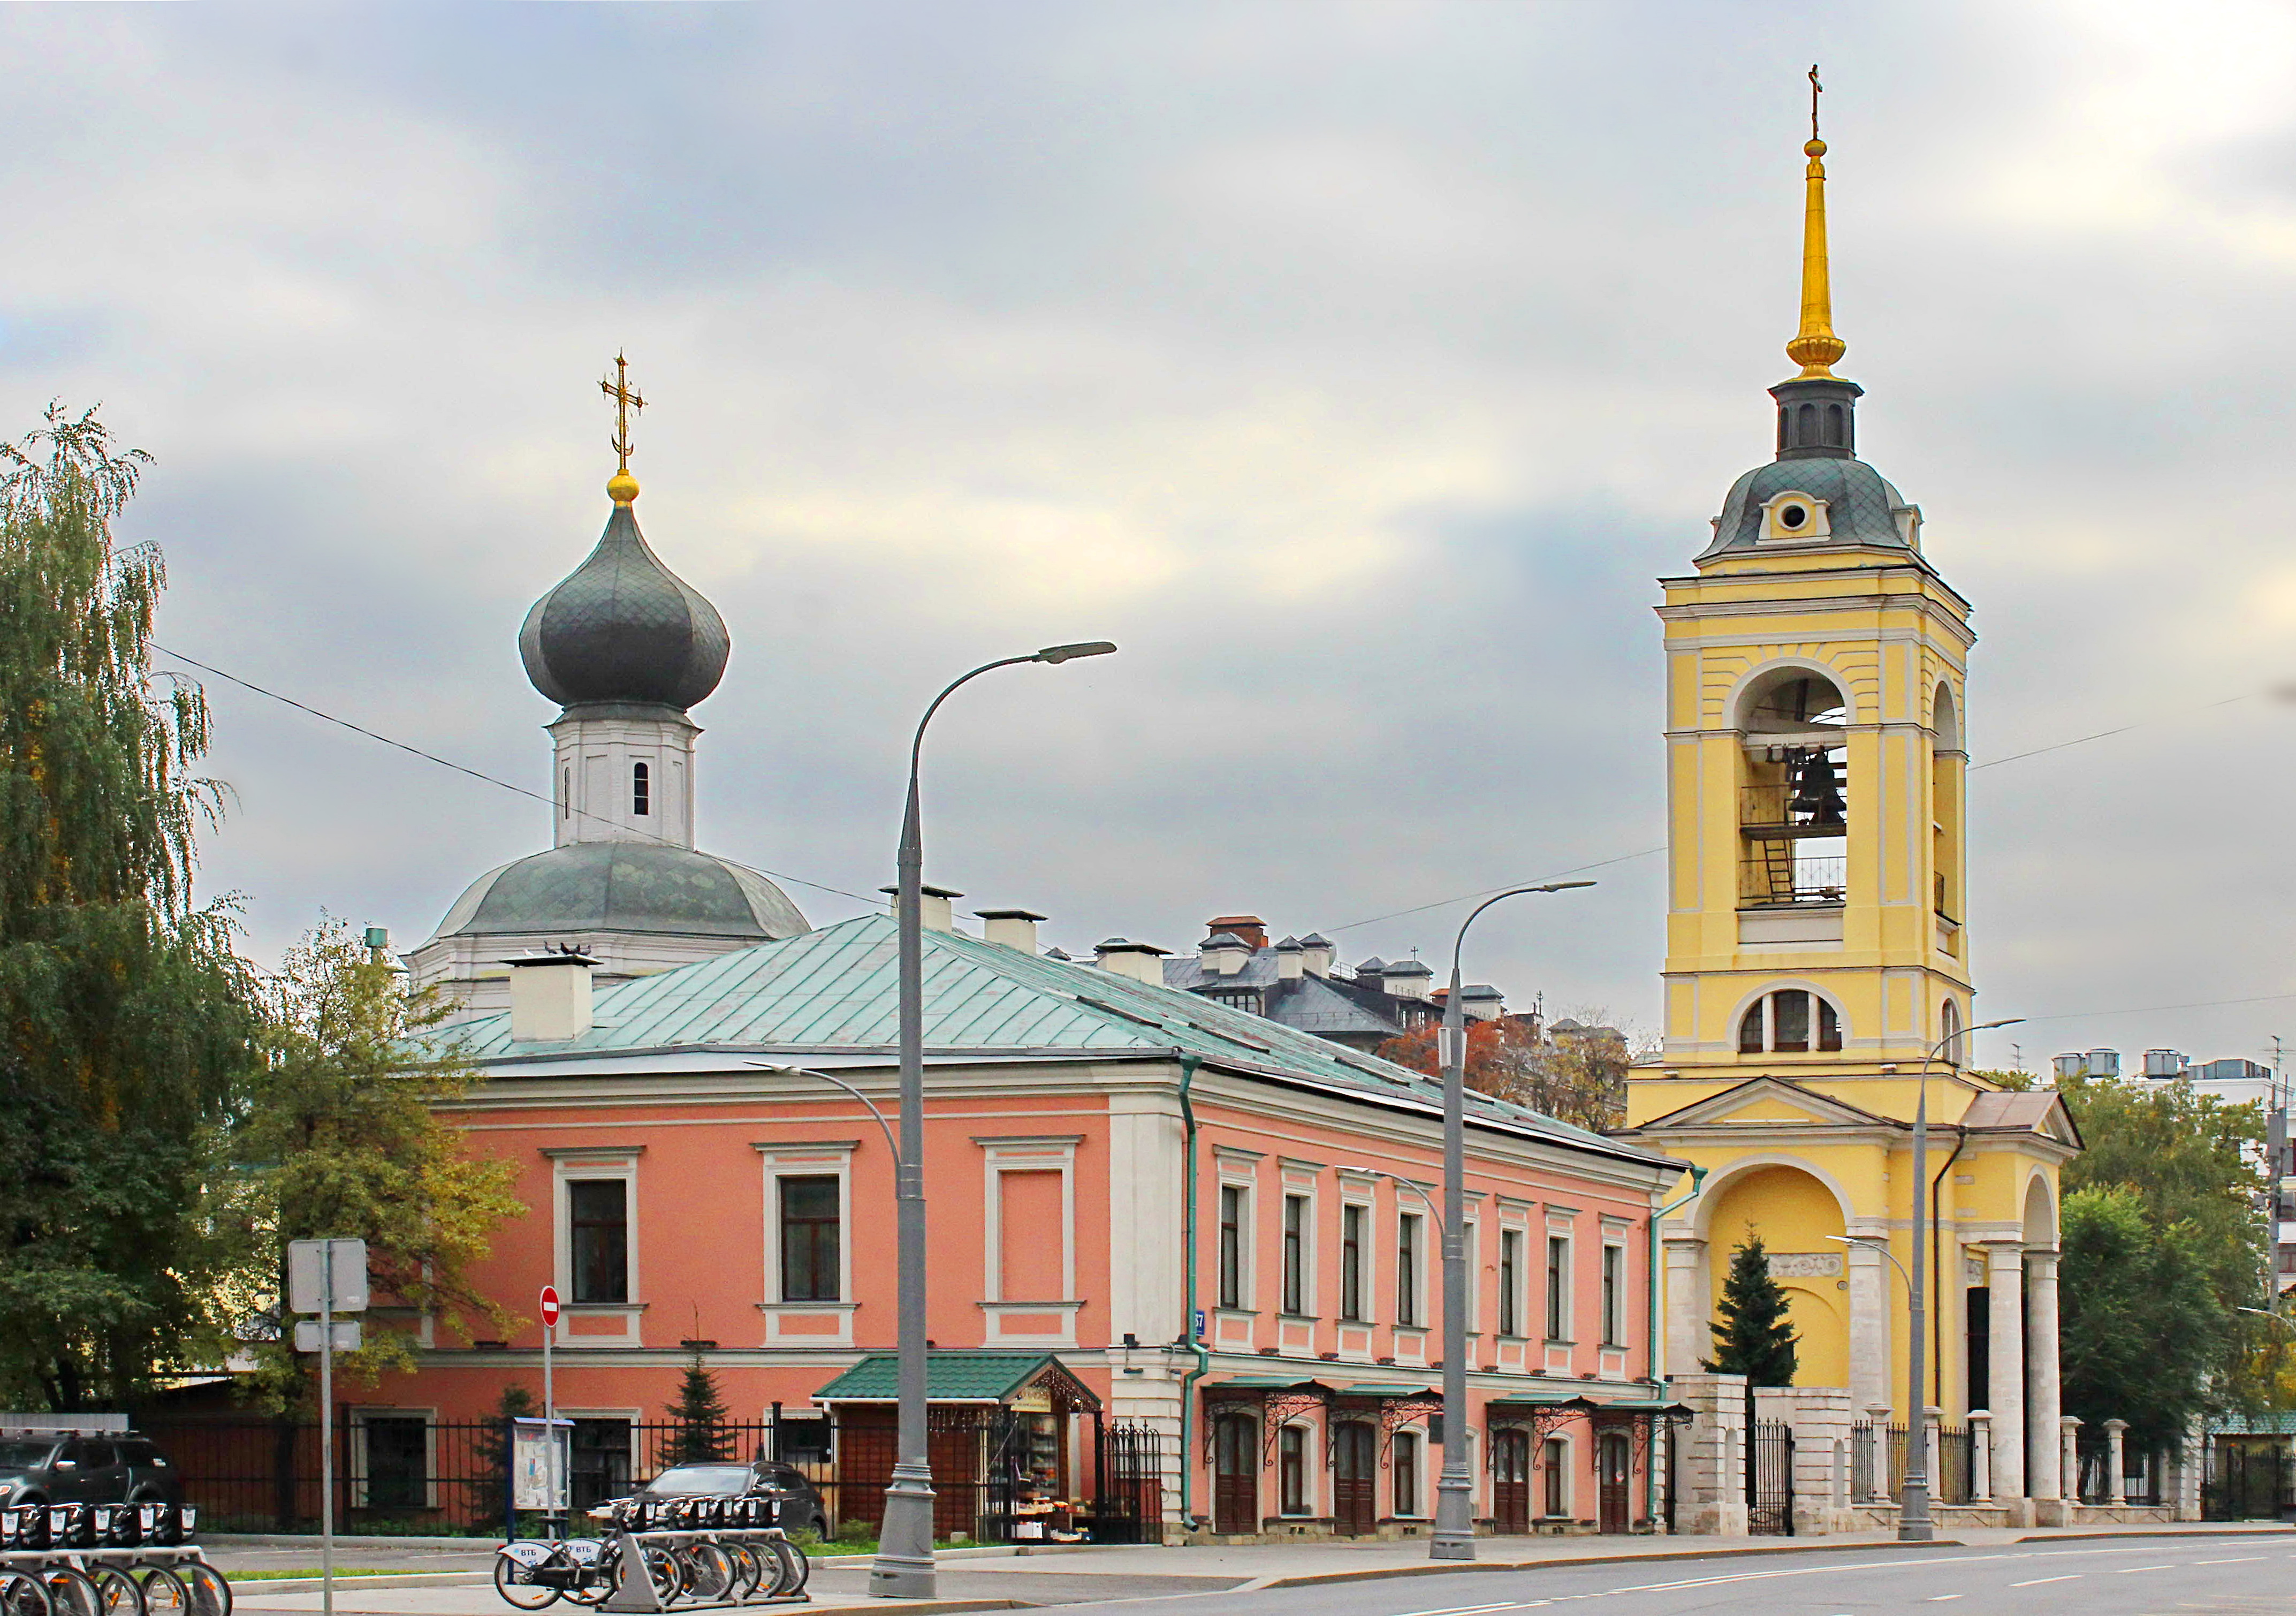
{"x":1766,"y":1102}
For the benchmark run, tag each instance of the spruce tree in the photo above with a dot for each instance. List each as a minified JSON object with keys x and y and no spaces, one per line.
{"x":1755,"y":1338}
{"x":127,"y":1019}
{"x":700,"y":1417}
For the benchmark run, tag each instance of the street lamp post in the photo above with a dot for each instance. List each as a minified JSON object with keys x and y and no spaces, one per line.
{"x":1455,"y":1512}
{"x":904,"y":1566}
{"x":1913,"y":1525}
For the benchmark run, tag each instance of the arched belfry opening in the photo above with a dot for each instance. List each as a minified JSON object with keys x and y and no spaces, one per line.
{"x":1948,"y":762}
{"x":1793,"y":817}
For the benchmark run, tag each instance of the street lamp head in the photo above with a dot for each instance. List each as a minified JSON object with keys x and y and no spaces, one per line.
{"x":1068,"y":653}
{"x":1561,"y":886}
{"x":2008,"y":1021}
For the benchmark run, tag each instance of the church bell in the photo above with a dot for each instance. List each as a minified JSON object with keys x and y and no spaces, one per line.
{"x":1817,"y":793}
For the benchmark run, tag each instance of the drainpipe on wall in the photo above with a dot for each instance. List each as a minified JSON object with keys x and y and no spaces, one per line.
{"x":1188,"y":1064}
{"x":1650,"y":1362}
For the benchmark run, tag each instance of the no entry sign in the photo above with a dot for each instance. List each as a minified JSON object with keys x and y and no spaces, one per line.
{"x":550,"y":1305}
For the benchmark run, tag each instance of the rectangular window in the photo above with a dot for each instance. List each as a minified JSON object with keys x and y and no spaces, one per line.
{"x":811,"y":1239}
{"x":1406,"y":1269}
{"x":1614,"y":1296}
{"x":1558,"y":1288}
{"x":1295,"y":1253}
{"x":1351,"y":1287}
{"x":1551,"y":1462}
{"x":1510,"y":1282}
{"x":1789,"y":1020}
{"x":1291,"y":1470}
{"x":397,"y":1461}
{"x":598,"y":1228}
{"x":1231,"y":1246}
{"x":1407,"y":1473}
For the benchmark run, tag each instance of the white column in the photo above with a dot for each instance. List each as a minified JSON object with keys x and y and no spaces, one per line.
{"x":2068,"y":1458}
{"x":1981,"y":1455}
{"x":1933,"y":1418}
{"x":2115,"y":1483}
{"x":2043,"y":1409}
{"x":2004,"y":1377}
{"x":1688,"y":1290}
{"x":1869,"y":1327}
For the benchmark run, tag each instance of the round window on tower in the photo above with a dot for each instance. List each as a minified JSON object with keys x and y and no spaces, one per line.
{"x":1794,"y":515}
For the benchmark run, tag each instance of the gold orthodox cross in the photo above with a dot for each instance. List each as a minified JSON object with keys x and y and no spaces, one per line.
{"x":616,"y":386}
{"x":1815,"y":89}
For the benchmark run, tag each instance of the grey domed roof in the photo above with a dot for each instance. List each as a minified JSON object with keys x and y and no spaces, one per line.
{"x":1860,"y":505}
{"x":623,"y":886}
{"x":623,"y":627}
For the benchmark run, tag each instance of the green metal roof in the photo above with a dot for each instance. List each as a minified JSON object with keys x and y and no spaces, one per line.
{"x":1389,"y":1389}
{"x":950,"y":1377}
{"x":837,"y":990}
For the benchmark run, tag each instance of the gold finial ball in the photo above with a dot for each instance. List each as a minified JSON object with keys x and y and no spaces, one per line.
{"x":622,"y":489}
{"x":1817,"y":148}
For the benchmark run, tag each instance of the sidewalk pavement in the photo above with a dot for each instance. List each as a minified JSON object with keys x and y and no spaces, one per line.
{"x":988,"y":1579}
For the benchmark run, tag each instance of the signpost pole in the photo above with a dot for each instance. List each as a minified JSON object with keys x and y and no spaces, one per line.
{"x":549,"y":1392}
{"x":327,"y":1429}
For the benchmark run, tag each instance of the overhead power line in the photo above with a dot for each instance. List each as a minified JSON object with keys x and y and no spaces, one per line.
{"x":358,"y":729}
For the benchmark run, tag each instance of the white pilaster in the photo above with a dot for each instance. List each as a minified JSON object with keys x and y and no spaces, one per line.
{"x":2043,"y":1406}
{"x":1687,"y":1289}
{"x":2116,"y":1481}
{"x":1981,"y":1455}
{"x":1869,"y":1327}
{"x":2004,"y":1380}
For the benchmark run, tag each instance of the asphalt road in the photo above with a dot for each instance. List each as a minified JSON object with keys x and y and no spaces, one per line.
{"x":2170,"y":1577}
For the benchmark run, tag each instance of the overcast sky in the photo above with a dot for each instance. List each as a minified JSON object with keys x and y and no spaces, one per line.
{"x":1357,"y":367}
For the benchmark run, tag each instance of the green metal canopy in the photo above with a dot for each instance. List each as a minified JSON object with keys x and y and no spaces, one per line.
{"x":959,"y":1377}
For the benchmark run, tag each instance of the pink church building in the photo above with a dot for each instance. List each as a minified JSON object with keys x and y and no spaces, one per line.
{"x":1151,"y":1211}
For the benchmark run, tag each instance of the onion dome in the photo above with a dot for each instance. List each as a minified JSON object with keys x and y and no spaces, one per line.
{"x":622,"y":628}
{"x":623,"y":887}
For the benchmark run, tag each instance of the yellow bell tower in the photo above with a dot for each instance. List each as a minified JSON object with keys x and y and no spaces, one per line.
{"x":1817,"y":960}
{"x":1815,"y":664}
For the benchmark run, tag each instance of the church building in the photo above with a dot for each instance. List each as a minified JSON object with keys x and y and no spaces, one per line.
{"x":1817,"y":973}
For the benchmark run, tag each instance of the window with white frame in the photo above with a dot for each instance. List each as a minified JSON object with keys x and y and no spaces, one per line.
{"x":1510,"y":1282}
{"x":1292,"y":1469}
{"x":809,"y":1206}
{"x":1234,"y":1242}
{"x":1614,"y":1295}
{"x":1554,"y":1467}
{"x":1031,"y":1217}
{"x":1558,"y":1287}
{"x":1296,"y":1257}
{"x":1405,"y":1464}
{"x":595,"y":1202}
{"x":1354,"y":1238}
{"x":1410,"y":1262}
{"x":1790,"y":1021}
{"x":1471,"y":1249}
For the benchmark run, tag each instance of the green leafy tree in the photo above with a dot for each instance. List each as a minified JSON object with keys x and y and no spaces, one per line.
{"x":126,"y":1017}
{"x":1754,"y":1337}
{"x":699,"y":1416}
{"x":2141,"y":1330}
{"x":2193,"y":1165}
{"x":342,"y":1116}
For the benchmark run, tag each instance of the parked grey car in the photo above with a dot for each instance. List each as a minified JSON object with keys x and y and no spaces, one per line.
{"x":86,"y":1470}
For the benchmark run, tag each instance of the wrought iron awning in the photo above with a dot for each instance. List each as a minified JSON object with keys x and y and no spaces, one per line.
{"x":1278,"y":1398}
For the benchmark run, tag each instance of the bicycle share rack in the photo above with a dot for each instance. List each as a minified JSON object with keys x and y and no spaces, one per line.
{"x":32,"y":1562}
{"x":635,"y":1592}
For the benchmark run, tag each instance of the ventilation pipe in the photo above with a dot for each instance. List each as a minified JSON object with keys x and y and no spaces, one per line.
{"x":550,"y":995}
{"x":1014,"y":929}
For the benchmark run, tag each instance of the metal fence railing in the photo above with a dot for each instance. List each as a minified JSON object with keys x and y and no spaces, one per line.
{"x":1954,"y":1480}
{"x":1877,"y":1462}
{"x":997,"y":1476}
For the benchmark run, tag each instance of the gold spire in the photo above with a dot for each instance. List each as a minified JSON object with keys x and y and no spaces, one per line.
{"x":622,"y":487}
{"x":1814,"y":347}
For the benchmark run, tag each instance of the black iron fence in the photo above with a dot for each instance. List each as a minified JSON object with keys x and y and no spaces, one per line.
{"x":997,"y":1476}
{"x":1770,"y":1479}
{"x":1877,"y":1462}
{"x":2250,"y":1479}
{"x":1954,"y":1482}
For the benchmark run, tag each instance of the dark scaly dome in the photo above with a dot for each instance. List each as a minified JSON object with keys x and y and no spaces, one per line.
{"x":623,"y":887}
{"x":622,"y":628}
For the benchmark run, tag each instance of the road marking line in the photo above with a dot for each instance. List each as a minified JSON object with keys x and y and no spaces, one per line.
{"x":2240,"y":1559}
{"x":2127,"y":1570}
{"x":1935,"y":1599}
{"x":2037,"y":1581}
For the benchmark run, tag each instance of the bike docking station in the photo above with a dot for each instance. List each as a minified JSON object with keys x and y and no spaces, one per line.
{"x":106,"y":1560}
{"x":662,"y":1554}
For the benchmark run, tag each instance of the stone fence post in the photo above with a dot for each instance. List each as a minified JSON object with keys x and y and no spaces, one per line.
{"x":2067,"y":1460}
{"x":1712,"y":1472}
{"x":2116,"y":1482}
{"x":1981,"y":1455}
{"x":1877,"y":1417}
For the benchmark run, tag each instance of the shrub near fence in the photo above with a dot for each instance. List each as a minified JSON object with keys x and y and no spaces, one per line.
{"x":408,"y":1473}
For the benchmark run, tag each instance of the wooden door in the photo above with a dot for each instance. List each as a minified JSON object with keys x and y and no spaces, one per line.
{"x":1355,"y":1469}
{"x":1613,"y":1466}
{"x":1235,"y":1474}
{"x":1510,"y":1482}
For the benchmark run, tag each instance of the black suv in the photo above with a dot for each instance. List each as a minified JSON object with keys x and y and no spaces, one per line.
{"x":124,"y":1469}
{"x":797,"y":1506}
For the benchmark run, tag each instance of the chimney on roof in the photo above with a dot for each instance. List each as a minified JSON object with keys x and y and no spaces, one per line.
{"x":937,"y":912}
{"x":1224,"y":953}
{"x":1251,"y":927}
{"x":1408,"y":979}
{"x":1317,"y":954}
{"x":1139,"y":961}
{"x":550,"y":995}
{"x":1013,"y":928}
{"x":1291,"y":960}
